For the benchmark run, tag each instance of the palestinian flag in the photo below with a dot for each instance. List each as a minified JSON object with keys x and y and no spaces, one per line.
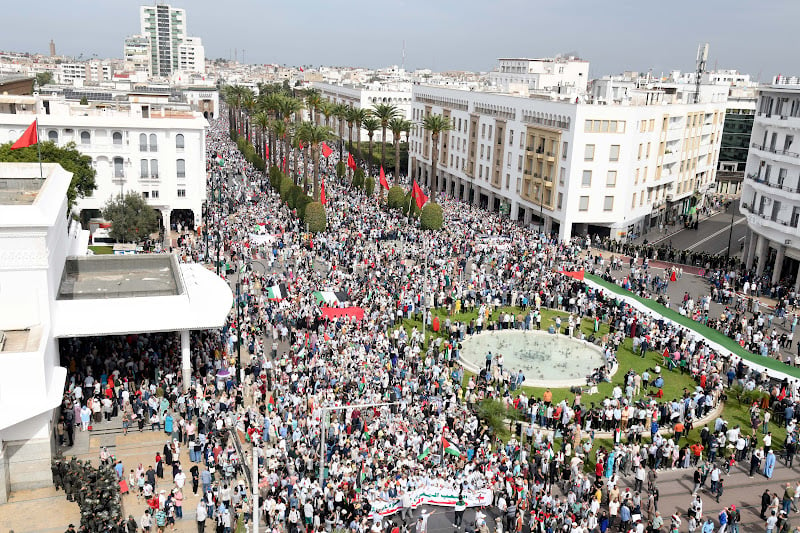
{"x":277,"y":292}
{"x":450,"y":448}
{"x":219,"y":161}
{"x":331,"y":298}
{"x":425,"y":453}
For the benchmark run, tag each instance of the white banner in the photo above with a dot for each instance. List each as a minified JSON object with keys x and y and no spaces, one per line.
{"x":441,"y":496}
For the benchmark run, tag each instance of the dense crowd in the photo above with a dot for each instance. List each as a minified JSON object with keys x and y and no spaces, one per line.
{"x":356,"y":421}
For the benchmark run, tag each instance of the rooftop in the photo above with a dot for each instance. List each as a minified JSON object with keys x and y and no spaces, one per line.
{"x":103,"y":277}
{"x":19,"y":191}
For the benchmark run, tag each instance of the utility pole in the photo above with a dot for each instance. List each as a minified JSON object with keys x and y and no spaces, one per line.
{"x":730,"y":230}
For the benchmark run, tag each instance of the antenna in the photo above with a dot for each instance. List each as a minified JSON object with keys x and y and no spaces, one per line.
{"x":702,"y":57}
{"x":404,"y":55}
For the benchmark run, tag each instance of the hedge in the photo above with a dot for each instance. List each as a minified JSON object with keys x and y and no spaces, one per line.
{"x":340,"y":169}
{"x":369,"y":186}
{"x":295,"y":192}
{"x":396,"y":197}
{"x":358,"y":178}
{"x":249,"y":152}
{"x":431,"y":217}
{"x":407,"y":202}
{"x":286,"y":186}
{"x":315,"y":217}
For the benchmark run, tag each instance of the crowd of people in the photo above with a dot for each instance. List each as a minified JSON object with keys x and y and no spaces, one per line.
{"x":354,"y":422}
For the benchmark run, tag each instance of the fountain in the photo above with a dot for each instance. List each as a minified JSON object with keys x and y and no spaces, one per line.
{"x":546,"y":359}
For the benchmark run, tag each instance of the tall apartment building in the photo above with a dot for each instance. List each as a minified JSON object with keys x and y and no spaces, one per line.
{"x":171,"y":50}
{"x":192,"y":56}
{"x":87,"y":73}
{"x":145,"y":145}
{"x":575,"y":168}
{"x":771,"y":190}
{"x":137,"y":54}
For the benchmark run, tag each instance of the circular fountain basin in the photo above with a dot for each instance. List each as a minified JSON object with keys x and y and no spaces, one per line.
{"x":546,"y":359}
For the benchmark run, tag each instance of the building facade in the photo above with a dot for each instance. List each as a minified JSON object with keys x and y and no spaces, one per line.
{"x":567,"y":76}
{"x":736,"y":140}
{"x":192,"y":56}
{"x":142,"y":146}
{"x":137,"y":55}
{"x":771,"y":191}
{"x":572,"y":168}
{"x":165,"y":27}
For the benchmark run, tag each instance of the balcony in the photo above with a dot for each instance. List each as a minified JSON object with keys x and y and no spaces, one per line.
{"x":775,"y":151}
{"x":777,"y":186}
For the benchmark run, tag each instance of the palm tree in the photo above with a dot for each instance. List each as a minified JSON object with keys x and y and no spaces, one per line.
{"x":313,"y":99}
{"x":261,"y":121}
{"x":279,"y":130}
{"x":398,"y":126}
{"x":248,"y":104}
{"x":314,"y":135}
{"x":326,"y":107}
{"x":340,"y":112}
{"x":350,"y":117}
{"x":384,"y":113}
{"x":371,"y":124}
{"x":288,"y":107}
{"x":435,"y":124}
{"x":269,"y":102}
{"x":359,"y":116}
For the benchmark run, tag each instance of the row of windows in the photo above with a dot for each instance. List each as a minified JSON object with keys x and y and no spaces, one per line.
{"x":604,"y":126}
{"x":608,"y":203}
{"x":611,"y":178}
{"x":588,"y":152}
{"x":116,"y":138}
{"x":154,"y":194}
{"x":149,"y":169}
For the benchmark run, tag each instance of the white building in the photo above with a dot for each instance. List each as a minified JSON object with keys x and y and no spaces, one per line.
{"x":144,"y":146}
{"x":137,"y":55}
{"x":563,"y":76}
{"x":602,"y":169}
{"x":192,"y":56}
{"x":363,"y":97}
{"x":771,"y":190}
{"x":87,"y":73}
{"x":42,"y":299}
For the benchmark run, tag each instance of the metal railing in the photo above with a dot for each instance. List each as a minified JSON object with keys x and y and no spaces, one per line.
{"x":774,"y":150}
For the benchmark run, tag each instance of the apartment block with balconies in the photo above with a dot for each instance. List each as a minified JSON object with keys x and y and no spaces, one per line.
{"x":771,"y":190}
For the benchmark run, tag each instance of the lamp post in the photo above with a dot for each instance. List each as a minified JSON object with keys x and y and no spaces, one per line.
{"x":218,"y":245}
{"x":730,"y":230}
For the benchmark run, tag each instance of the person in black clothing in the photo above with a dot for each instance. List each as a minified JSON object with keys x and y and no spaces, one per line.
{"x":195,"y":471}
{"x":766,"y":499}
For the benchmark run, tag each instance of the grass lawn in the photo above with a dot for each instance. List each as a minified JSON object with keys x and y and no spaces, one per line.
{"x":102,"y":250}
{"x":674,"y":381}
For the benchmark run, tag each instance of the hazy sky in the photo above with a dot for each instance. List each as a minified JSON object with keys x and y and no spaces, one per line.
{"x":753,"y":36}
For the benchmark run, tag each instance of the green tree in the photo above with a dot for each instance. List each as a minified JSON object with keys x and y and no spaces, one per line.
{"x":395,"y":197}
{"x":371,"y":124}
{"x":398,"y":125}
{"x":83,"y":175}
{"x":315,"y":135}
{"x":359,"y":116}
{"x":44,"y":78}
{"x":369,"y":186}
{"x":84,"y":101}
{"x":132,"y":220}
{"x":358,"y":178}
{"x":340,"y":169}
{"x":313,"y":100}
{"x":431,"y":216}
{"x":435,"y":125}
{"x":384,"y":113}
{"x":315,"y":217}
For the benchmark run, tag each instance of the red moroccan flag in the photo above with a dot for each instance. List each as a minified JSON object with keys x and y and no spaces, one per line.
{"x":384,"y":183}
{"x":351,"y":162}
{"x":322,"y":199}
{"x":266,"y":150}
{"x":29,"y":138}
{"x":326,"y":150}
{"x":285,"y":167}
{"x":418,"y":195}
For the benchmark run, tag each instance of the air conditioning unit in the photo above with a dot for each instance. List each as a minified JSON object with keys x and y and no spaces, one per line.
{"x":670,"y":197}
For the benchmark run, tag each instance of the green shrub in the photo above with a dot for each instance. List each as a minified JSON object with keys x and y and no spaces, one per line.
{"x":396,"y":197}
{"x":498,"y":417}
{"x":369,"y":186}
{"x":431,"y":217}
{"x":358,"y":178}
{"x":275,"y":177}
{"x":340,"y":169}
{"x":286,"y":186}
{"x":295,"y":192}
{"x":300,"y":204}
{"x":315,"y":217}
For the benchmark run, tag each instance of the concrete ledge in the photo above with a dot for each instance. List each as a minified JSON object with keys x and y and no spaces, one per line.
{"x":28,"y":464}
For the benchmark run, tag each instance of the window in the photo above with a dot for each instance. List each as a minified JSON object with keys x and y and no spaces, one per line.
{"x":633,"y":201}
{"x":587,"y":178}
{"x":181,"y":193}
{"x":153,"y":142}
{"x":588,"y":153}
{"x":154,"y":168}
{"x":180,"y":166}
{"x":52,"y":136}
{"x":608,"y":203}
{"x":85,"y":137}
{"x":560,"y":199}
{"x":564,"y":147}
{"x":145,"y":194}
{"x":510,"y":137}
{"x":118,"y":167}
{"x":154,"y":194}
{"x":144,"y":167}
{"x":116,"y":137}
{"x":179,"y":141}
{"x":508,"y":180}
{"x":583,"y":205}
{"x":562,"y":175}
{"x":614,"y":153}
{"x":611,"y":178}
{"x":142,"y":142}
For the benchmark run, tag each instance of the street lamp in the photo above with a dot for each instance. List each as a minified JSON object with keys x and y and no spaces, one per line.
{"x":730,"y":230}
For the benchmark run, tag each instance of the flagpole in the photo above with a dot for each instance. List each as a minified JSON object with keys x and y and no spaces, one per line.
{"x":36,"y":121}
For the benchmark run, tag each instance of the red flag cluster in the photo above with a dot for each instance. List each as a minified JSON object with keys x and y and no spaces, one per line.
{"x":384,"y":183}
{"x":351,"y":163}
{"x":326,"y":150}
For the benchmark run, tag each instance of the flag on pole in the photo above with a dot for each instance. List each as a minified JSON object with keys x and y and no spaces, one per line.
{"x":266,"y":150}
{"x":418,"y":195}
{"x":425,"y":453}
{"x":351,"y":162}
{"x":450,"y":448}
{"x":322,"y":199}
{"x":28,"y":138}
{"x":285,"y":166}
{"x":326,"y":150}
{"x":384,"y":183}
